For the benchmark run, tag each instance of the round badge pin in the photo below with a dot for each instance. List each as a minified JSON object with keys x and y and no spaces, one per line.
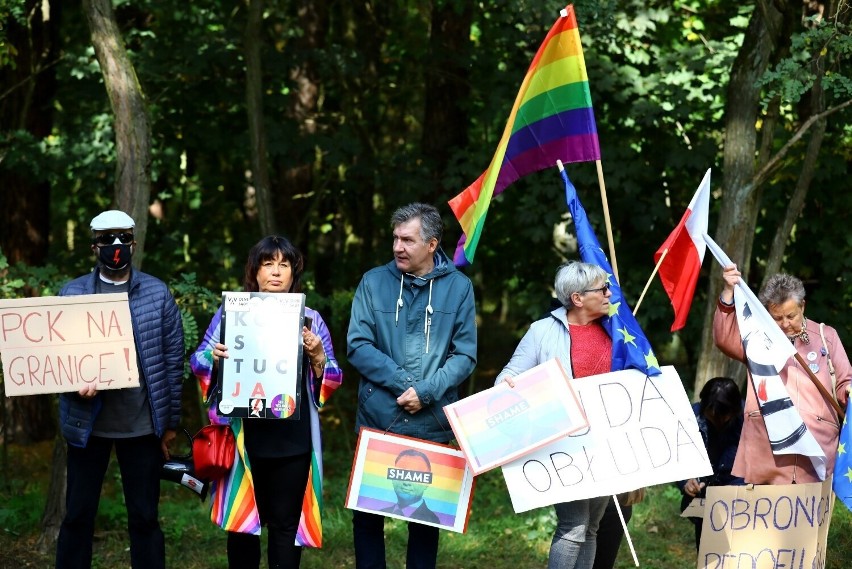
{"x":812,"y":356}
{"x":814,"y":367}
{"x":226,"y":407}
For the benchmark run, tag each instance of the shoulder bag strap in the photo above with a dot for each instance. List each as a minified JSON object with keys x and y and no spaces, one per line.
{"x":828,"y":357}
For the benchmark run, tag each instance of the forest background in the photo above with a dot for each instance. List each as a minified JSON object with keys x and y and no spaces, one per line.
{"x":214,"y":123}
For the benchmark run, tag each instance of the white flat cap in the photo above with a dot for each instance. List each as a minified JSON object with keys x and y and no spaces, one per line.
{"x":112,"y":219}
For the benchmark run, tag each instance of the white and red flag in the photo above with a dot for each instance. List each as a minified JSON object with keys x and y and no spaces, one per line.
{"x":684,"y":251}
{"x":767,"y":350}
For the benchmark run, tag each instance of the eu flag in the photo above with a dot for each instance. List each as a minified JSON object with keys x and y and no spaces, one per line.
{"x":630,"y":348}
{"x":842,"y":483}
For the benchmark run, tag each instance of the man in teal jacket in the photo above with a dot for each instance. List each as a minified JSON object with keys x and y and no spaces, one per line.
{"x":412,"y":336}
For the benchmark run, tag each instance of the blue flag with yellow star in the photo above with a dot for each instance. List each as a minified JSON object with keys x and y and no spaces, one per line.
{"x":630,"y":348}
{"x":842,"y":483}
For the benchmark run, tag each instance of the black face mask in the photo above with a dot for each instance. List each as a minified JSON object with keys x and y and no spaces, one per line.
{"x":114,"y":257}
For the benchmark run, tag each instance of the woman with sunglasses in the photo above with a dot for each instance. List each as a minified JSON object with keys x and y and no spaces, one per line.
{"x":572,"y":334}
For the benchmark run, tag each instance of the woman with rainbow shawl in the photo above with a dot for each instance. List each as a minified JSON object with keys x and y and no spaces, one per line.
{"x":273,"y":456}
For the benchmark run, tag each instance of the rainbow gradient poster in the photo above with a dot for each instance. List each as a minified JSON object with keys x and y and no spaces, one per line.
{"x":503,"y":423}
{"x":410,"y":479}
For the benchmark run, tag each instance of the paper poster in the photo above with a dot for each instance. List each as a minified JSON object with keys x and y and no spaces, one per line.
{"x":642,"y":432}
{"x":410,"y":479}
{"x":502,"y":423}
{"x":56,"y":344}
{"x":766,"y":526}
{"x":260,"y":378}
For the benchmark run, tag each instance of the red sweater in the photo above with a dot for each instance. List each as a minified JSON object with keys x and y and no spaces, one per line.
{"x":591,"y":349}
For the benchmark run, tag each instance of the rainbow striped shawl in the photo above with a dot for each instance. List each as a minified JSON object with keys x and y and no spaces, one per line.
{"x":233,"y":502}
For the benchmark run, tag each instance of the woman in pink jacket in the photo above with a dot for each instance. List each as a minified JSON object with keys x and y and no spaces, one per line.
{"x":784,"y":298}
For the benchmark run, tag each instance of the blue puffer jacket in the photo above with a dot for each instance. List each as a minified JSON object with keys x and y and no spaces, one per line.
{"x":391,"y":345}
{"x":158,"y":335}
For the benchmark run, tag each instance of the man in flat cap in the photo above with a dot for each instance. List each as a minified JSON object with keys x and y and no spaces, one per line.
{"x":139,"y":422}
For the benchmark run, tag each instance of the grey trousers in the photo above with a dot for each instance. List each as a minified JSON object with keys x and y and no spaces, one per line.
{"x":575,"y":539}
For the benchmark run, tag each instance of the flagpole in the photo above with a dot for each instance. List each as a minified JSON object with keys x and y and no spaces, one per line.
{"x":650,"y":279}
{"x":626,"y":533}
{"x":820,"y":387}
{"x":609,"y":239}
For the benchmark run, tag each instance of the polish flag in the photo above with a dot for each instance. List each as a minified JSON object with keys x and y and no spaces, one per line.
{"x":684,"y":251}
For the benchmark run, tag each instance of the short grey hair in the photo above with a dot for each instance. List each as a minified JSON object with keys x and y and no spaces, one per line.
{"x":780,"y":288}
{"x":576,"y":276}
{"x":431,"y":224}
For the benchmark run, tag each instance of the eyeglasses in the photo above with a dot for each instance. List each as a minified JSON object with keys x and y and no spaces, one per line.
{"x":601,"y":290}
{"x":104,"y":239}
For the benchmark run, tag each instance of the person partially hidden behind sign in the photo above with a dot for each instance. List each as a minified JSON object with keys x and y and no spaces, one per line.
{"x":280,"y":452}
{"x":412,"y":336}
{"x":574,"y":335}
{"x":820,"y":349}
{"x":719,"y":413}
{"x":139,"y":422}
{"x":410,"y":477}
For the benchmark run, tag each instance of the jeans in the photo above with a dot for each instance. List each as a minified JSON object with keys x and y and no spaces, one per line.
{"x":368,"y":531}
{"x":279,"y":488}
{"x":139,"y":460}
{"x":574,"y":541}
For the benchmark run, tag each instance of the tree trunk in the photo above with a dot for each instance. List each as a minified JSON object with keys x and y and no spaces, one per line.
{"x":797,"y":201}
{"x":25,"y":104}
{"x":738,"y":215}
{"x":444,"y":119}
{"x":297,"y":169}
{"x":254,"y":106}
{"x":132,"y":131}
{"x":54,"y":509}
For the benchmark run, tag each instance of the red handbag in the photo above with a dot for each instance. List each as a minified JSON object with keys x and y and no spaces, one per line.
{"x":213,"y":451}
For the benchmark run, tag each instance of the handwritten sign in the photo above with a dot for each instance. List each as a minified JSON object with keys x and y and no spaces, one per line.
{"x":642,"y":431}
{"x":766,"y":526}
{"x":55,"y":344}
{"x":410,"y":479}
{"x":502,"y":423}
{"x":263,"y":332}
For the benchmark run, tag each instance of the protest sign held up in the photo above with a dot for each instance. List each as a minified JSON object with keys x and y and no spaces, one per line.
{"x":503,"y":423}
{"x":56,"y":344}
{"x":263,"y":332}
{"x":642,"y":432}
{"x":783,"y":525}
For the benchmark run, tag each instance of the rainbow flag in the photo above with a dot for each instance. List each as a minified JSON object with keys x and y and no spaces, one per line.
{"x":552,"y":119}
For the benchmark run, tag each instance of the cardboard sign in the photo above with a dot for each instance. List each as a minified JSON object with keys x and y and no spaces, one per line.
{"x":260,"y":378}
{"x":502,"y":423}
{"x":766,"y":526}
{"x":56,"y":344}
{"x":410,"y":479}
{"x":642,"y":432}
{"x":695,"y":509}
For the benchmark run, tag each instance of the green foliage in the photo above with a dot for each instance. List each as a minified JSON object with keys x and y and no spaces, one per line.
{"x":658,"y":72}
{"x":21,"y":280}
{"x":823,"y":44}
{"x":21,"y":507}
{"x":197,"y":304}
